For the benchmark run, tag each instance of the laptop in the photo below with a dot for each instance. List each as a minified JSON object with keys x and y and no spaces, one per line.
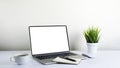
{"x":49,"y":42}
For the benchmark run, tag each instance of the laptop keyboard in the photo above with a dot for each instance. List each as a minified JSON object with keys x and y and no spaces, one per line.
{"x":54,"y":56}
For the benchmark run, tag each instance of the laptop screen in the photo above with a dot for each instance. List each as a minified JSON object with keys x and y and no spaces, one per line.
{"x":48,"y":39}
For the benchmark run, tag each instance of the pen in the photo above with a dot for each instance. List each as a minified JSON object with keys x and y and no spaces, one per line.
{"x":70,"y":59}
{"x":86,"y":55}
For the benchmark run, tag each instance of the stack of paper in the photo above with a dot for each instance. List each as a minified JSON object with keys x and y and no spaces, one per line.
{"x":77,"y":59}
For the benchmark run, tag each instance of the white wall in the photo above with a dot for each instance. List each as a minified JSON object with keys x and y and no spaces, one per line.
{"x":17,"y":15}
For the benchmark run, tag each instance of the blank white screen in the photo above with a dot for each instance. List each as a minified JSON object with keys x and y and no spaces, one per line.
{"x":48,"y":39}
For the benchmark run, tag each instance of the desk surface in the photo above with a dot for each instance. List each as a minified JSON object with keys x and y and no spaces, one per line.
{"x":104,"y":59}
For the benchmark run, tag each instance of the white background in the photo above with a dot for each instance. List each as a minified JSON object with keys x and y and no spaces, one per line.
{"x":17,"y":15}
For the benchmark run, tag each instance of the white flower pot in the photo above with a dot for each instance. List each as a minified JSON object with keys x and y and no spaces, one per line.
{"x":92,"y":49}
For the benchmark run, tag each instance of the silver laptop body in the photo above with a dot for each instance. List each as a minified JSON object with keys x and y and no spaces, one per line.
{"x":49,"y":41}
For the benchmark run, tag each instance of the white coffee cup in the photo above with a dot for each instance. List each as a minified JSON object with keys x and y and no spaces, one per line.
{"x":20,"y":59}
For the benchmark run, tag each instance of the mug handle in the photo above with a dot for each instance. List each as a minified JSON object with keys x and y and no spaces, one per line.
{"x":12,"y":59}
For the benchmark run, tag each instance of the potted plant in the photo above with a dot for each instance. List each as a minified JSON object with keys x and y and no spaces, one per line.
{"x":92,"y":38}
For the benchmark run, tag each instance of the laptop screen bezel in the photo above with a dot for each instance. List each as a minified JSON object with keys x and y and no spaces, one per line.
{"x":48,"y":26}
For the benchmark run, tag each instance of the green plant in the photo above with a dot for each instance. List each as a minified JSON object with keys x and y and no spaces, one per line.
{"x":92,"y":35}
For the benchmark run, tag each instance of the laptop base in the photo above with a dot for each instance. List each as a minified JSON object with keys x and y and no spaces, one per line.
{"x":50,"y":60}
{"x":45,"y":61}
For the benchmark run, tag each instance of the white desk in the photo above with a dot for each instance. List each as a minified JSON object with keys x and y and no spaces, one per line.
{"x":104,"y":59}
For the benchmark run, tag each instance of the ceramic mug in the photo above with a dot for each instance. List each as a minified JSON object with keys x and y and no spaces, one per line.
{"x":20,"y":59}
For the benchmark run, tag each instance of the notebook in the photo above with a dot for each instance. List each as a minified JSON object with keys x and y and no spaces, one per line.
{"x":70,"y":59}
